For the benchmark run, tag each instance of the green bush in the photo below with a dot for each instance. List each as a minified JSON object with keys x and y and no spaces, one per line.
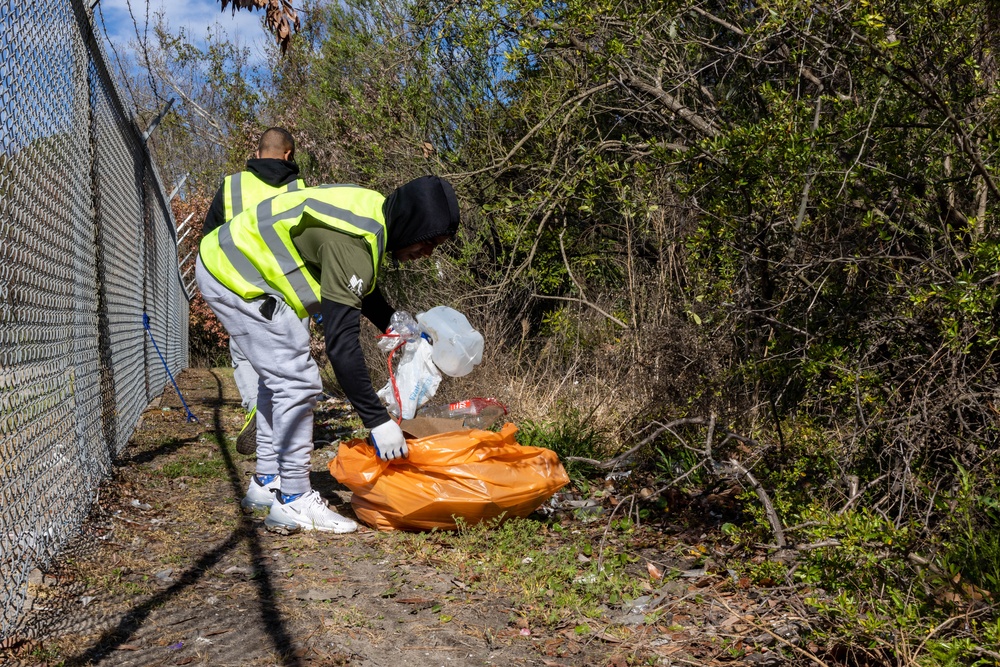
{"x":970,"y":551}
{"x":569,"y":434}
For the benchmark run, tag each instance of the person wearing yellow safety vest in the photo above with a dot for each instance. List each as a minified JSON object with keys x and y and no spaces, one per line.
{"x":271,"y":171}
{"x":314,"y":250}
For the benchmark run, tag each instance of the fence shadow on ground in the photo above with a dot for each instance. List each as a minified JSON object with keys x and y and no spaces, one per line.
{"x":146,"y":457}
{"x":273,"y":622}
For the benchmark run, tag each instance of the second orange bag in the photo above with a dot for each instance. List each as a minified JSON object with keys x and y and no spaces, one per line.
{"x":471,"y":474}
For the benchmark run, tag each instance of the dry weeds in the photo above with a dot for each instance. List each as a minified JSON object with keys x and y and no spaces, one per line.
{"x":167,"y":571}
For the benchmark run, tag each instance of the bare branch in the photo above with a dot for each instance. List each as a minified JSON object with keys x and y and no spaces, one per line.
{"x":675,"y":105}
{"x":583,"y":295}
{"x":576,"y":99}
{"x":218,"y":137}
{"x":712,"y":17}
{"x":586,"y":303}
{"x":772,"y":516}
{"x":612,"y":463}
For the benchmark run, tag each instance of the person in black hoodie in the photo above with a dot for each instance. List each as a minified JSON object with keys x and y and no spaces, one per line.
{"x":271,"y":171}
{"x":307,"y":252}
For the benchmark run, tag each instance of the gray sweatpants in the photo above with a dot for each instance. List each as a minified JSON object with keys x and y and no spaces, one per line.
{"x":278,"y":349}
{"x":244,"y":375}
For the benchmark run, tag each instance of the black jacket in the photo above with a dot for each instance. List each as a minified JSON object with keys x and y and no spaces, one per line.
{"x":422,"y":209}
{"x":272,"y":171}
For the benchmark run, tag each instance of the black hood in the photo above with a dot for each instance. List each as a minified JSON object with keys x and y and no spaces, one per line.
{"x":419,"y":211}
{"x":272,"y":171}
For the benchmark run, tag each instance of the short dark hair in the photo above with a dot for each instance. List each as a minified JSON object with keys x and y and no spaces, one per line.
{"x":276,"y":140}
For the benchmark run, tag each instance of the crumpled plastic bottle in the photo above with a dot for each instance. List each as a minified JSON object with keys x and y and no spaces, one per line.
{"x":403,"y":328}
{"x":475,"y":412}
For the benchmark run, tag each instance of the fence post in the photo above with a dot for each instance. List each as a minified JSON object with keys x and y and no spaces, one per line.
{"x":177,"y":188}
{"x":156,"y":121}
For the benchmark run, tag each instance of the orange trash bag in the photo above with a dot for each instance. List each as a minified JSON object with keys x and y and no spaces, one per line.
{"x":471,"y":474}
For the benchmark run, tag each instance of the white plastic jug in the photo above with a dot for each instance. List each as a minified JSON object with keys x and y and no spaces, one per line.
{"x":457,"y":346}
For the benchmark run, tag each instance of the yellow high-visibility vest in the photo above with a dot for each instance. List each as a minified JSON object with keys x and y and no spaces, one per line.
{"x":253,"y":254}
{"x":244,"y":190}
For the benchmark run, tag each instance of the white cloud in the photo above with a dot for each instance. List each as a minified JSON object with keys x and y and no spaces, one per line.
{"x":195,"y":16}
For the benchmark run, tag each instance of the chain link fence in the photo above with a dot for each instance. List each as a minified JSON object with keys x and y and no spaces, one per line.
{"x":87,"y":245}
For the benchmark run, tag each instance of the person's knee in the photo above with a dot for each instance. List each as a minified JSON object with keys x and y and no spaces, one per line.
{"x":314,"y":386}
{"x":305,"y":384}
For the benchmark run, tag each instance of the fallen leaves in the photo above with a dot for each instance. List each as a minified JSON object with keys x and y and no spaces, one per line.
{"x":280,"y":17}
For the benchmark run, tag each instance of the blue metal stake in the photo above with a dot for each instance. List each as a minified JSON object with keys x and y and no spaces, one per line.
{"x":145,"y":323}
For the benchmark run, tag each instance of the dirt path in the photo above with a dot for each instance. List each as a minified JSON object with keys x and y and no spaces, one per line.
{"x":169,"y":571}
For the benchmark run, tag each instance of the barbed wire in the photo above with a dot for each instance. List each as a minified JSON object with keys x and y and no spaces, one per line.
{"x":121,"y":67}
{"x":143,"y":42}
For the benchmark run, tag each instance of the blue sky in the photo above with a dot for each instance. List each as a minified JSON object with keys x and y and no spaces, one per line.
{"x":194,"y":15}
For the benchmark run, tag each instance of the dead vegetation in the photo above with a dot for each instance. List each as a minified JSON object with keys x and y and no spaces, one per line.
{"x":167,"y":570}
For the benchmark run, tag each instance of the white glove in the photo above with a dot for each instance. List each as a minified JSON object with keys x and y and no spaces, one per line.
{"x":389,"y":441}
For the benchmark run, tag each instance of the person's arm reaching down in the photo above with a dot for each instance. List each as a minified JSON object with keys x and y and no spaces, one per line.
{"x":377,"y":310}
{"x":341,"y":327}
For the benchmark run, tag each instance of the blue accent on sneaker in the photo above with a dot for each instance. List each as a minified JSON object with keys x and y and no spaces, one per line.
{"x":288,"y":497}
{"x":264,"y":480}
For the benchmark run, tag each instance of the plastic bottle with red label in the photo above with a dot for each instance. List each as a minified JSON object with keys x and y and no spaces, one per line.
{"x":474,"y":412}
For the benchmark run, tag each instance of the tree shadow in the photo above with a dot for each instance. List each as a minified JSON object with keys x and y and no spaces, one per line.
{"x":165,"y":449}
{"x":271,"y":620}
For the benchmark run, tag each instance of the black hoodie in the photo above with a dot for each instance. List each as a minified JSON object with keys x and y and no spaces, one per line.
{"x":272,"y":171}
{"x":420,"y":210}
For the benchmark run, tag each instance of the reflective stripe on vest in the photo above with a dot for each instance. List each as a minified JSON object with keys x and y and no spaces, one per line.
{"x":253,"y":254}
{"x":244,"y":190}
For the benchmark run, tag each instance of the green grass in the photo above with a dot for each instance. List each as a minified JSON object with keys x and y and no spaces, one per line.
{"x":970,"y":550}
{"x":201,"y":466}
{"x":571,"y":434}
{"x":540,"y":569}
{"x":114,"y":583}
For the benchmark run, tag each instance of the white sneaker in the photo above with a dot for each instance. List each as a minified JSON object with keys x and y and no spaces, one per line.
{"x":308,"y":512}
{"x":260,"y":497}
